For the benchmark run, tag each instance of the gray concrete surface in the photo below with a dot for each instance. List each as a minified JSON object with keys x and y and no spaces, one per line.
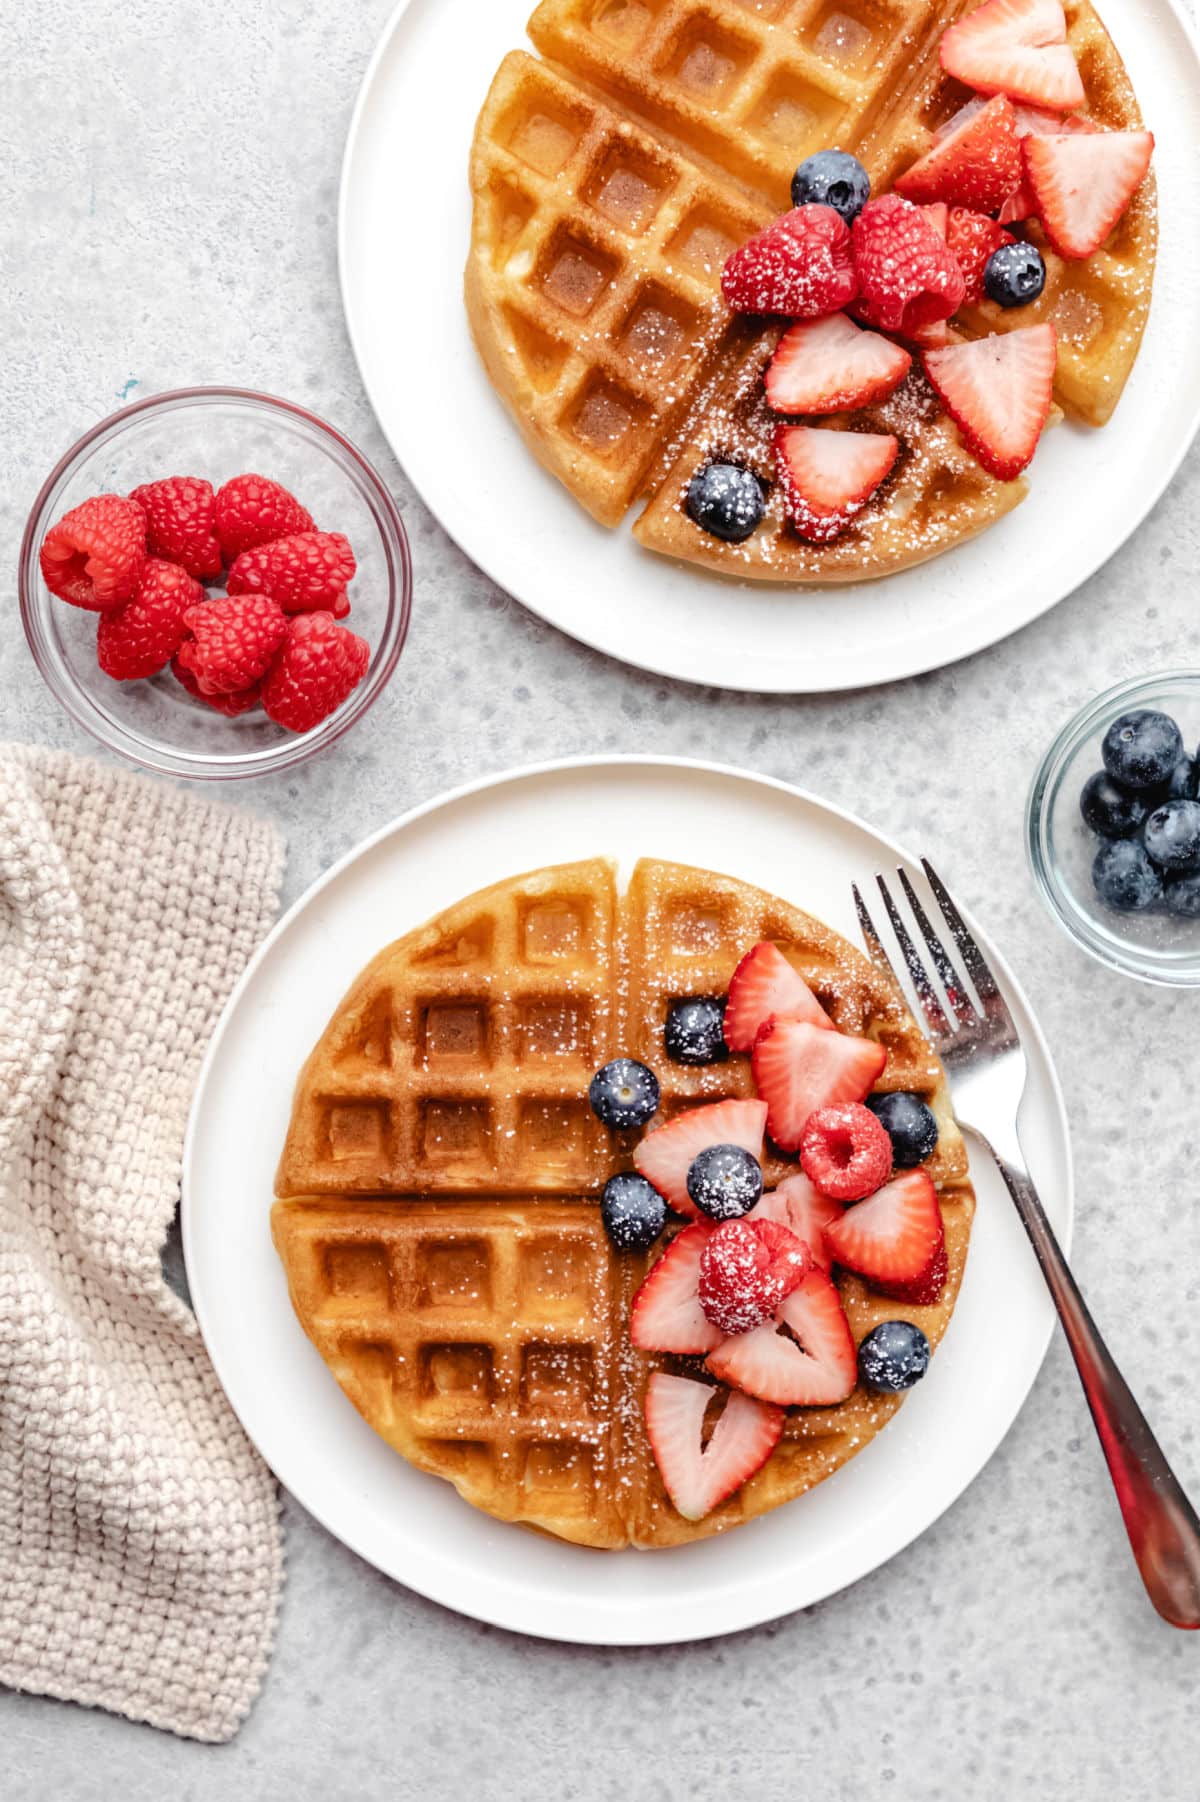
{"x":167,"y":209}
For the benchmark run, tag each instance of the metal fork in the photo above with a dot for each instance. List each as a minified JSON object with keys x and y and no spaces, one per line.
{"x":977,"y":1040}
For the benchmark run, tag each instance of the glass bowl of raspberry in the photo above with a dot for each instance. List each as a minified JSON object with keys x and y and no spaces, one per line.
{"x":1113,"y":828}
{"x":281,"y":511}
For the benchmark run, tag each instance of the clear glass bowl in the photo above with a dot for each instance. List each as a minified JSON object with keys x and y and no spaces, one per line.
{"x":218,"y":433}
{"x":1154,"y":946}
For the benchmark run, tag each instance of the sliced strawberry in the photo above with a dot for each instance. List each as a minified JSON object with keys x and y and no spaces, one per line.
{"x":798,"y":1068}
{"x":765,"y":984}
{"x":814,"y":1369}
{"x":973,"y":237}
{"x":938,"y":215}
{"x":665,"y":1314}
{"x":893,"y":1236}
{"x":665,"y":1155}
{"x":976,"y":165}
{"x":998,"y":392}
{"x":830,"y":365}
{"x":925,"y":1289}
{"x":1019,"y":205}
{"x":699,"y":1476}
{"x":800,"y":1206}
{"x":1018,"y":48}
{"x":829,"y":476}
{"x":1082,"y":182}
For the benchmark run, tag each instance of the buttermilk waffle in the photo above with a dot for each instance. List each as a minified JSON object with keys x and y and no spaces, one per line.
{"x":612,"y":180}
{"x":438,"y":1210}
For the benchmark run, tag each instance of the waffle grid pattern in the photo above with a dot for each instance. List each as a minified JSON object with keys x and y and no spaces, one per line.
{"x":475,"y":1346}
{"x":609,"y":307}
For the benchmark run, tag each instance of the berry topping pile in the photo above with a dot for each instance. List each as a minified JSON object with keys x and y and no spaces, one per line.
{"x":1144,"y":807}
{"x":141,"y":561}
{"x":746,"y":1283}
{"x":855,"y":273}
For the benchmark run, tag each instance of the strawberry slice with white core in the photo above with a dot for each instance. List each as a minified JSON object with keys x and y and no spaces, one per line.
{"x":815,"y":1368}
{"x":800,"y":1206}
{"x":665,"y":1314}
{"x":665,"y":1155}
{"x":998,"y":391}
{"x":1018,"y":48}
{"x":893,"y":1236}
{"x":831,"y":365}
{"x":798,"y":1068}
{"x":1082,"y":182}
{"x":829,"y":476}
{"x":765,"y":985}
{"x":697,"y":1476}
{"x":975,"y":165}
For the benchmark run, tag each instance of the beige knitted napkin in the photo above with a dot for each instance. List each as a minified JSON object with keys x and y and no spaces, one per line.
{"x":140,"y":1548}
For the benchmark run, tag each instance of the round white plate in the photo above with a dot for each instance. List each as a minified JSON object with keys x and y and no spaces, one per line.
{"x":415,"y":1527}
{"x":404,"y":232}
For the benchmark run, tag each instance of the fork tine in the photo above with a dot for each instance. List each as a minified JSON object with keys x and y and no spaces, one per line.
{"x":927,"y":995}
{"x":961,"y":1004}
{"x":875,"y":950}
{"x":986,"y":986}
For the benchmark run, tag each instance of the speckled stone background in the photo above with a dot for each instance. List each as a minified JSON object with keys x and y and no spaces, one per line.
{"x":167,"y":208}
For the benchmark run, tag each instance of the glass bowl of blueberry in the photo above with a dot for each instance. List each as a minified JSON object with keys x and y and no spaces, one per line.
{"x":1114,"y":828}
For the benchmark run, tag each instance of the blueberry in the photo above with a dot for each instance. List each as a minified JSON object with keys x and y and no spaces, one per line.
{"x":1109,"y":809}
{"x":909,"y":1124}
{"x":633,"y":1211}
{"x":624,"y":1093}
{"x":1185,"y":780}
{"x":725,"y":1181}
{"x":1014,"y":275}
{"x":1124,"y":877}
{"x":695,"y":1030}
{"x":1182,"y":894}
{"x":1172,"y":835}
{"x":1141,"y":749}
{"x":726,"y":500}
{"x":832,"y":178}
{"x":894,"y":1356}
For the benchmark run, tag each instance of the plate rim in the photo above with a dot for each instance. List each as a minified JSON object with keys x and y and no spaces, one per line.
{"x":999,"y":625}
{"x":638,"y":1631}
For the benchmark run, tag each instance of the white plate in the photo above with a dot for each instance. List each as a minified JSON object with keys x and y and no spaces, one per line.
{"x":415,"y":1527}
{"x":404,"y":231}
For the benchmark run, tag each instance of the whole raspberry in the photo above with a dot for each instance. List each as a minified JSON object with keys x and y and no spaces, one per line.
{"x":907,"y":275}
{"x":800,"y":266}
{"x":179,"y":523}
{"x":233,"y":640}
{"x":252,"y":510}
{"x":140,"y":638}
{"x":303,"y":573}
{"x":94,"y":555}
{"x":747,"y":1269}
{"x":318,"y":666}
{"x":229,"y":705}
{"x":846,"y":1152}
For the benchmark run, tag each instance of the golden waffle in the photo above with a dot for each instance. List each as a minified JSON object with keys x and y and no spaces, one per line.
{"x":610,"y":187}
{"x":479,"y":1319}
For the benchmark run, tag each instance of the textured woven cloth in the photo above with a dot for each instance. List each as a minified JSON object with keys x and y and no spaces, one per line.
{"x":140,"y":1546}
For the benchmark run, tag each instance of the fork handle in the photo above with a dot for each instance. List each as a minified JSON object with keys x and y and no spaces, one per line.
{"x":1160,"y":1521}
